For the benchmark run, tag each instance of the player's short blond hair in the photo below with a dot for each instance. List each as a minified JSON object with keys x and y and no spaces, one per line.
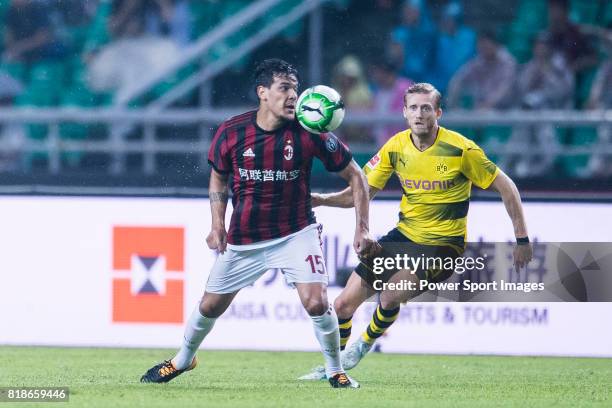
{"x":424,"y":88}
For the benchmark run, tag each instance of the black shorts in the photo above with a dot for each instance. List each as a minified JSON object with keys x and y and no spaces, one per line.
{"x":395,"y":243}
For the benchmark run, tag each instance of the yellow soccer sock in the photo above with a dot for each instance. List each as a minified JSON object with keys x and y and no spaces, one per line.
{"x":345,"y":326}
{"x":382,"y":319}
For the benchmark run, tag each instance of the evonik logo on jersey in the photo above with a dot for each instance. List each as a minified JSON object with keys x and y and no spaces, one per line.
{"x":417,"y":184}
{"x":148,"y":274}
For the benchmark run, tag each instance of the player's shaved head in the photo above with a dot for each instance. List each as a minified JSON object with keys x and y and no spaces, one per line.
{"x":424,"y":88}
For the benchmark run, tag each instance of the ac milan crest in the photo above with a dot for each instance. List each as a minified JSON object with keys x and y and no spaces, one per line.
{"x":288,"y":152}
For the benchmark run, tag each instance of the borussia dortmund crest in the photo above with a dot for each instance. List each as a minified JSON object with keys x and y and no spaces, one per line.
{"x":441,"y":168}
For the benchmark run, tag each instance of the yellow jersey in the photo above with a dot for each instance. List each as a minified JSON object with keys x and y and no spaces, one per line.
{"x":436,"y":183}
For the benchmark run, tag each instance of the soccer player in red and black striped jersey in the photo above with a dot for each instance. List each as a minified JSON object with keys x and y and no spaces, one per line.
{"x":270,"y":169}
{"x":268,"y":157}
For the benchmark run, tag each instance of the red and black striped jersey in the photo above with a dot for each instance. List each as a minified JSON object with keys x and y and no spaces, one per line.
{"x":270,"y":175}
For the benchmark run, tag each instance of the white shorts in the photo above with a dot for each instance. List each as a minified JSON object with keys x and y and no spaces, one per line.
{"x":298,"y":256}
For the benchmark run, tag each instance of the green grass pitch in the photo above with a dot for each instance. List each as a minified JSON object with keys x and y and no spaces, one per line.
{"x":109,"y":378}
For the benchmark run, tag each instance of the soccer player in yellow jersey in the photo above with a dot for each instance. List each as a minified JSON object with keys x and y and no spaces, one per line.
{"x":436,"y":168}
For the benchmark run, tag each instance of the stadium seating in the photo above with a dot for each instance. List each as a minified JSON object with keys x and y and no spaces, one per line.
{"x":584,"y":12}
{"x":63,"y":83}
{"x":97,"y":33}
{"x":576,"y":165}
{"x":530,"y":19}
{"x":606,"y":16}
{"x":44,"y":86}
{"x":17,"y":70}
{"x":584,"y":81}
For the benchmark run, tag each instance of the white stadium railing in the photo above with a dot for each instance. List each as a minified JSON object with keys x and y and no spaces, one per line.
{"x":207,"y":119}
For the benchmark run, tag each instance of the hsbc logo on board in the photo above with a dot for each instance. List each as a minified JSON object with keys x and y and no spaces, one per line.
{"x":148,"y":274}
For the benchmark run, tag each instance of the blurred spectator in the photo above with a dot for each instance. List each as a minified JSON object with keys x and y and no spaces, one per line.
{"x":385,"y":5}
{"x":148,"y":56}
{"x":544,"y":83}
{"x":169,"y":18}
{"x":12,"y":135}
{"x":12,"y":139}
{"x":566,"y":38}
{"x":144,"y":36}
{"x":412,"y":43}
{"x":349,"y":80}
{"x":389,"y":90}
{"x":488,"y":79}
{"x":601,"y":98}
{"x":76,"y":12}
{"x":29,"y":35}
{"x":127,"y":18}
{"x":456,"y":44}
{"x":601,"y":92}
{"x":72,"y":19}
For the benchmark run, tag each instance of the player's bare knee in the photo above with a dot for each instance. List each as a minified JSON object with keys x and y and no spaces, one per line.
{"x":390,"y":303}
{"x":344,"y":307}
{"x":210,"y":309}
{"x":316,"y":306}
{"x":392,"y":299}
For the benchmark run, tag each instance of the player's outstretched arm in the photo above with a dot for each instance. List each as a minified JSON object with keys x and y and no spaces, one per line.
{"x":358,"y":187}
{"x":512,"y":201}
{"x":341,"y":199}
{"x":217,"y":192}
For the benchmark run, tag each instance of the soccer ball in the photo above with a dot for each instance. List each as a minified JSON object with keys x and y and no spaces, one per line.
{"x":320,"y":109}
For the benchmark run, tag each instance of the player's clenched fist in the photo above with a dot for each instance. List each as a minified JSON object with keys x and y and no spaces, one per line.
{"x":365,"y":246}
{"x":217,"y":239}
